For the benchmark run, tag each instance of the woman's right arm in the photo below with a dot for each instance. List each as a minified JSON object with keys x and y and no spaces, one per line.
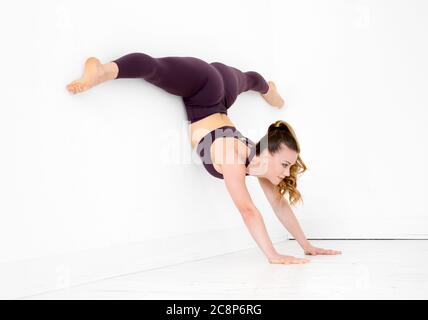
{"x":234,"y":178}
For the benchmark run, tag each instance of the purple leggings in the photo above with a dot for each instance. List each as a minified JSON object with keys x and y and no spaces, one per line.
{"x":205,"y":88}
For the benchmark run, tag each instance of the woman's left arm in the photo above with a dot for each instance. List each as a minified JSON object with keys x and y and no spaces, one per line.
{"x":286,"y":216}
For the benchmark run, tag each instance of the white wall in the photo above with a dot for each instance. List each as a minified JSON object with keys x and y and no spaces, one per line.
{"x":99,"y":183}
{"x":105,"y":182}
{"x":355,"y":74}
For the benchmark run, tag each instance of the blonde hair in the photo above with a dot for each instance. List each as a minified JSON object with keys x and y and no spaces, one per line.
{"x":280,"y":132}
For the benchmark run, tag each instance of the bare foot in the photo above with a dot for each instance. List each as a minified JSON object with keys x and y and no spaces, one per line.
{"x":93,"y":74}
{"x":272,"y":96}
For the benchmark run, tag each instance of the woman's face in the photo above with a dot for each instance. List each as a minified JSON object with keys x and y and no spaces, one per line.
{"x":279,"y":163}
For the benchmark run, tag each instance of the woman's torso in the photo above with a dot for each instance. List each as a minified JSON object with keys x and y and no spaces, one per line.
{"x":201,"y":127}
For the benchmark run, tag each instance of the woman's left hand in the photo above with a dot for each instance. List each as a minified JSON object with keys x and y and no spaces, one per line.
{"x":311,"y":250}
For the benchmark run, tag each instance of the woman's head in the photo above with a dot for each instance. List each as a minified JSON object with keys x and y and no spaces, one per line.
{"x":279,"y":151}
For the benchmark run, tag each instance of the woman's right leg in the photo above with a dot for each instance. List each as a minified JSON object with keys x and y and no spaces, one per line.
{"x":94,"y":73}
{"x":182,"y":76}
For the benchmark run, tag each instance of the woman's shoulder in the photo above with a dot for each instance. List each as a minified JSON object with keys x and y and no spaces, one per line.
{"x":229,"y":149}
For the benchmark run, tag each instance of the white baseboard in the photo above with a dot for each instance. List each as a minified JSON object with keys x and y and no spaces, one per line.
{"x":40,"y":275}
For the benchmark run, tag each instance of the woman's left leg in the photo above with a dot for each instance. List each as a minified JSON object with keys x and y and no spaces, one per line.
{"x":237,"y":82}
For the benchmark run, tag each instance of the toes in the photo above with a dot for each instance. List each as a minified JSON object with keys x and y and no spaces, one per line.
{"x":72,"y":86}
{"x":76,"y":86}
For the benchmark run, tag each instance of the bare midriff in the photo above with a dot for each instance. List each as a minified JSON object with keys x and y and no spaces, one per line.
{"x":202,"y":127}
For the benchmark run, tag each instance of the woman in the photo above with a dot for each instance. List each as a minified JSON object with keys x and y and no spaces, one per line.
{"x":208,"y":90}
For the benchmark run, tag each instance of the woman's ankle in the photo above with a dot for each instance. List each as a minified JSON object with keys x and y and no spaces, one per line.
{"x":111,"y":71}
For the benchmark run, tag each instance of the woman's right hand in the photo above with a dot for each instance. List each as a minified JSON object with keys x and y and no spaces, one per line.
{"x":281,"y":259}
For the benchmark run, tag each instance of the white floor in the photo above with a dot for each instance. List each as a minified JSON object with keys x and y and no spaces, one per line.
{"x":367,"y":269}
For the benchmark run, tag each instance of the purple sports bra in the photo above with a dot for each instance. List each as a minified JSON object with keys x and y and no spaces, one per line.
{"x":203,"y":148}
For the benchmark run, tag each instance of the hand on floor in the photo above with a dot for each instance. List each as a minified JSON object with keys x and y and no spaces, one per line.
{"x":311,"y":250}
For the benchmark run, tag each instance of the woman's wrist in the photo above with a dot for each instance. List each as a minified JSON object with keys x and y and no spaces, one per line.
{"x":272,"y":255}
{"x":306,"y":245}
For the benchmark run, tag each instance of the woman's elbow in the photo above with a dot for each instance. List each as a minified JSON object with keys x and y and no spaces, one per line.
{"x":248,"y":212}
